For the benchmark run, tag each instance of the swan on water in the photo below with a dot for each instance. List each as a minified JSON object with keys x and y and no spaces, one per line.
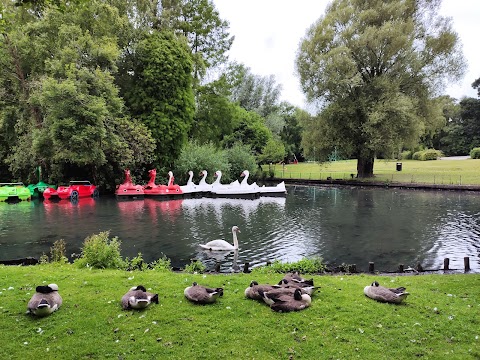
{"x":219,"y":245}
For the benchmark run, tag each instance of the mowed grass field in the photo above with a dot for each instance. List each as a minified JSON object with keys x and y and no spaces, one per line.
{"x":448,"y":172}
{"x":439,"y":320}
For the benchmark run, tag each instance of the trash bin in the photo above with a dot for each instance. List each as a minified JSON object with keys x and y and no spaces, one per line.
{"x":399,"y":166}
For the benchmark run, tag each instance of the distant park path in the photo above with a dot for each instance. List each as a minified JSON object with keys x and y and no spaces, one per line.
{"x":455,"y":158}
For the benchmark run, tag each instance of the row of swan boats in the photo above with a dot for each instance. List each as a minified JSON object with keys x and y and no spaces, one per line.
{"x":236,"y":189}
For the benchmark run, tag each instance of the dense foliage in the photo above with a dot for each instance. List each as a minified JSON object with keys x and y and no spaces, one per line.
{"x":375,"y":66}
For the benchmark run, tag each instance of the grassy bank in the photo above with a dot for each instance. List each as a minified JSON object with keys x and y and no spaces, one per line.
{"x":459,"y":172}
{"x":440,"y":319}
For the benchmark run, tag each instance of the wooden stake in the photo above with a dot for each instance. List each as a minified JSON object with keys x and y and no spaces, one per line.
{"x":245,"y":267}
{"x":400,"y":268}
{"x":371,"y":267}
{"x":466,"y":263}
{"x":217,"y":267}
{"x":446,"y":264}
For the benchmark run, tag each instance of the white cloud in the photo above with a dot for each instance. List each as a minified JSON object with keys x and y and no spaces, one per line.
{"x":268,"y":33}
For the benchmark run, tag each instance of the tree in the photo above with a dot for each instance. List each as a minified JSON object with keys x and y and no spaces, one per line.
{"x":200,"y":23}
{"x":251,"y":131}
{"x":160,"y":93}
{"x":216,"y":116}
{"x":253,"y":92}
{"x":62,"y":109}
{"x":375,"y":66}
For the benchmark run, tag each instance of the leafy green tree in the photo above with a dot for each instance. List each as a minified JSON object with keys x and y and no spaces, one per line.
{"x":272,"y":152}
{"x":253,"y":92}
{"x":200,"y":23}
{"x":251,"y":131}
{"x":69,"y":117}
{"x":215,"y":116}
{"x":375,"y":66}
{"x":160,"y":93}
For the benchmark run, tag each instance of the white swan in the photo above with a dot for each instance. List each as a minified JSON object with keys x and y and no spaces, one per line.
{"x":222,"y":245}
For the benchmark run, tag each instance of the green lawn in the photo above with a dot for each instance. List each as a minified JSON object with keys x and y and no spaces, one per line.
{"x":439,"y":320}
{"x":459,"y":172}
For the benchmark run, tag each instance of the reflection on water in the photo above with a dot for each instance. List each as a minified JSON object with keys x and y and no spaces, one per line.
{"x":341,"y":225}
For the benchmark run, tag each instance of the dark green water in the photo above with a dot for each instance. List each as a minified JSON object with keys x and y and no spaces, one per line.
{"x":341,"y":225}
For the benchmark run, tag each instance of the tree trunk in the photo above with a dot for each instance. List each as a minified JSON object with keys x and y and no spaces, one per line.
{"x":365,"y":167}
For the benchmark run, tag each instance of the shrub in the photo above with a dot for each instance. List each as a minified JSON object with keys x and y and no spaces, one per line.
{"x":58,"y":251}
{"x":101,"y":252}
{"x":137,"y":263}
{"x":162,"y":264}
{"x":475,"y":153}
{"x":195,"y":267}
{"x":406,"y":155}
{"x":428,"y":154}
{"x":196,"y":158}
{"x":240,"y":157}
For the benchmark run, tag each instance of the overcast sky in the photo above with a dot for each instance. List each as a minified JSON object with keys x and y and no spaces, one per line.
{"x":268,"y":32}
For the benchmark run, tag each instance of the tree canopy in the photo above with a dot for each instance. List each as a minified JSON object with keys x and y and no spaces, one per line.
{"x":375,"y":67}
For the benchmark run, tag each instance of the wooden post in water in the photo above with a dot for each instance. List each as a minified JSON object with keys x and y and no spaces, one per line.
{"x":419,"y":267}
{"x":269,"y":263}
{"x":400,"y":268}
{"x":466,"y":263}
{"x":352,"y":268}
{"x":371,"y":267}
{"x":217,"y":267}
{"x":446,"y":264}
{"x":245,"y":267}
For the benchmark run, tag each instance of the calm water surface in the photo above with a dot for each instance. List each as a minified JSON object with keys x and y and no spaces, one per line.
{"x":341,"y":225}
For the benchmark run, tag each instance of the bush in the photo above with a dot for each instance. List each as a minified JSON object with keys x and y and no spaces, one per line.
{"x":195,"y":267}
{"x":101,"y":252}
{"x":240,"y":157}
{"x":162,"y":264}
{"x":475,"y":153}
{"x":137,"y":263}
{"x":58,"y":251}
{"x":406,"y":155}
{"x":428,"y":154}
{"x":196,"y":158}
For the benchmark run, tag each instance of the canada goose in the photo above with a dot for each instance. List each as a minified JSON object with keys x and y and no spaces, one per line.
{"x":383,"y":294}
{"x":251,"y":292}
{"x":287,"y":302}
{"x":45,"y":301}
{"x":305,"y":288}
{"x":222,"y":245}
{"x":138,"y":298}
{"x":202,"y":295}
{"x":295,"y":277}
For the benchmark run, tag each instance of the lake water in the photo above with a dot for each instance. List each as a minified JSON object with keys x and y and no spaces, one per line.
{"x":342,"y":225}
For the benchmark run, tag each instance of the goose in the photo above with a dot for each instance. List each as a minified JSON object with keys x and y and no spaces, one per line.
{"x":305,"y":288}
{"x":222,"y":245}
{"x":45,"y":301}
{"x":252,"y":292}
{"x":202,"y":295}
{"x":285,"y":302}
{"x":138,"y":298}
{"x":383,"y":294}
{"x":295,"y":277}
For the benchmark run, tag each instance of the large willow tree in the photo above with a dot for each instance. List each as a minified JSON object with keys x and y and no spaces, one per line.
{"x":376,"y":66}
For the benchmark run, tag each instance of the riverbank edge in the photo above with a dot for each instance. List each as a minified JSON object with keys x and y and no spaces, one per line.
{"x":381,"y":184}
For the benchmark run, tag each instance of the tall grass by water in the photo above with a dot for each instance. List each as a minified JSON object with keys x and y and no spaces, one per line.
{"x":447,"y":172}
